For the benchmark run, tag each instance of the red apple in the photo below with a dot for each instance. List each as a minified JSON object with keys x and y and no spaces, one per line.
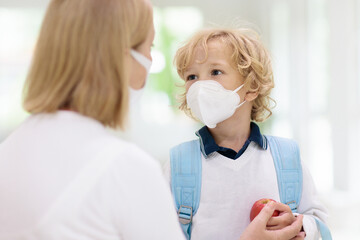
{"x":258,"y":205}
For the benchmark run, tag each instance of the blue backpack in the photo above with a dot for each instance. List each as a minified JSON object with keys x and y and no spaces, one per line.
{"x":185,"y":160}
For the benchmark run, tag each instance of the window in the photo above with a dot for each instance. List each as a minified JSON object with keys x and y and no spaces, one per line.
{"x":19,"y":29}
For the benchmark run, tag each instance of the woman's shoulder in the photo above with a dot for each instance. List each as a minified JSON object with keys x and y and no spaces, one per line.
{"x":126,"y":154}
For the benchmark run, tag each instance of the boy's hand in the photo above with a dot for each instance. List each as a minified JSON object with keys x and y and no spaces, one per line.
{"x":285,"y":218}
{"x":257,"y":228}
{"x":300,"y":236}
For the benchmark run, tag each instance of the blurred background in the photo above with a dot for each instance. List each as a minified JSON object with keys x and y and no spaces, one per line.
{"x":315,"y":47}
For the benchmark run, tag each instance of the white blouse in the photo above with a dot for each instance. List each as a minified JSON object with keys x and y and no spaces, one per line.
{"x":64,"y":176}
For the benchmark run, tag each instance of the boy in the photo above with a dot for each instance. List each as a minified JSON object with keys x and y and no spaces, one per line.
{"x":228,"y":79}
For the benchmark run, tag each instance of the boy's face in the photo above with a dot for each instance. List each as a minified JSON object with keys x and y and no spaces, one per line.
{"x":218,"y":67}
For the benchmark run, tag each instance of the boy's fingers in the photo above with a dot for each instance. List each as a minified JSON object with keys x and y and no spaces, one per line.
{"x":300,"y":236}
{"x":277,"y":227}
{"x":274,"y":221}
{"x":265,"y":214}
{"x":284,"y":219}
{"x":282,"y":207}
{"x":292,"y":230}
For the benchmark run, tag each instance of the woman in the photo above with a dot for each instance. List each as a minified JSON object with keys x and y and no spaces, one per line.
{"x":62,"y":175}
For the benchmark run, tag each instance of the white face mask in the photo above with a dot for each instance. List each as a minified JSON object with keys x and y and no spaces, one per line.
{"x":135,"y":94}
{"x":211,"y":103}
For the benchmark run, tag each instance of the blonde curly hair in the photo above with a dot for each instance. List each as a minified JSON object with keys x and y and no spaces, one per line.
{"x":250,"y":58}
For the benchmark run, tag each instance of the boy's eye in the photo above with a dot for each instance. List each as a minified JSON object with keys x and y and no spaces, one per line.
{"x":191,"y":77}
{"x":216,"y":72}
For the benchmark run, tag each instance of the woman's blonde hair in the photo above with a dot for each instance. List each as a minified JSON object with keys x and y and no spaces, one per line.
{"x":249,"y":57}
{"x":79,"y":61}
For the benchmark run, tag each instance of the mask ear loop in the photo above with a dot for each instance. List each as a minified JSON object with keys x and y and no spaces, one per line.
{"x":235,"y":91}
{"x":240,"y":104}
{"x":144,"y":61}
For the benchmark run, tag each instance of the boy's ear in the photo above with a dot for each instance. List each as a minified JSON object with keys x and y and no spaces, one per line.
{"x":251,"y":96}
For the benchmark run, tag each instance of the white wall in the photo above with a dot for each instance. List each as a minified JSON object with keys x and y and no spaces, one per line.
{"x":24,"y":3}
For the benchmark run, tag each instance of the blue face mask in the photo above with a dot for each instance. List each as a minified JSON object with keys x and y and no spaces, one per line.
{"x":135,"y":94}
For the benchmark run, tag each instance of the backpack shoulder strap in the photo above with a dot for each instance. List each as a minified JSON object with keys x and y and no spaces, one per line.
{"x":285,"y":153}
{"x":324,"y":230}
{"x":185,"y":162}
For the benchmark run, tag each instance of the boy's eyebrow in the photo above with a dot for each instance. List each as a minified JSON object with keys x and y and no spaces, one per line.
{"x":214,"y":64}
{"x":187,"y":70}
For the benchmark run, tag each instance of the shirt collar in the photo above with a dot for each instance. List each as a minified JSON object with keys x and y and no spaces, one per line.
{"x":208,"y":144}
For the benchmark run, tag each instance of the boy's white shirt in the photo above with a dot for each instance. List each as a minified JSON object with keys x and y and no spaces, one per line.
{"x":230,"y":187}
